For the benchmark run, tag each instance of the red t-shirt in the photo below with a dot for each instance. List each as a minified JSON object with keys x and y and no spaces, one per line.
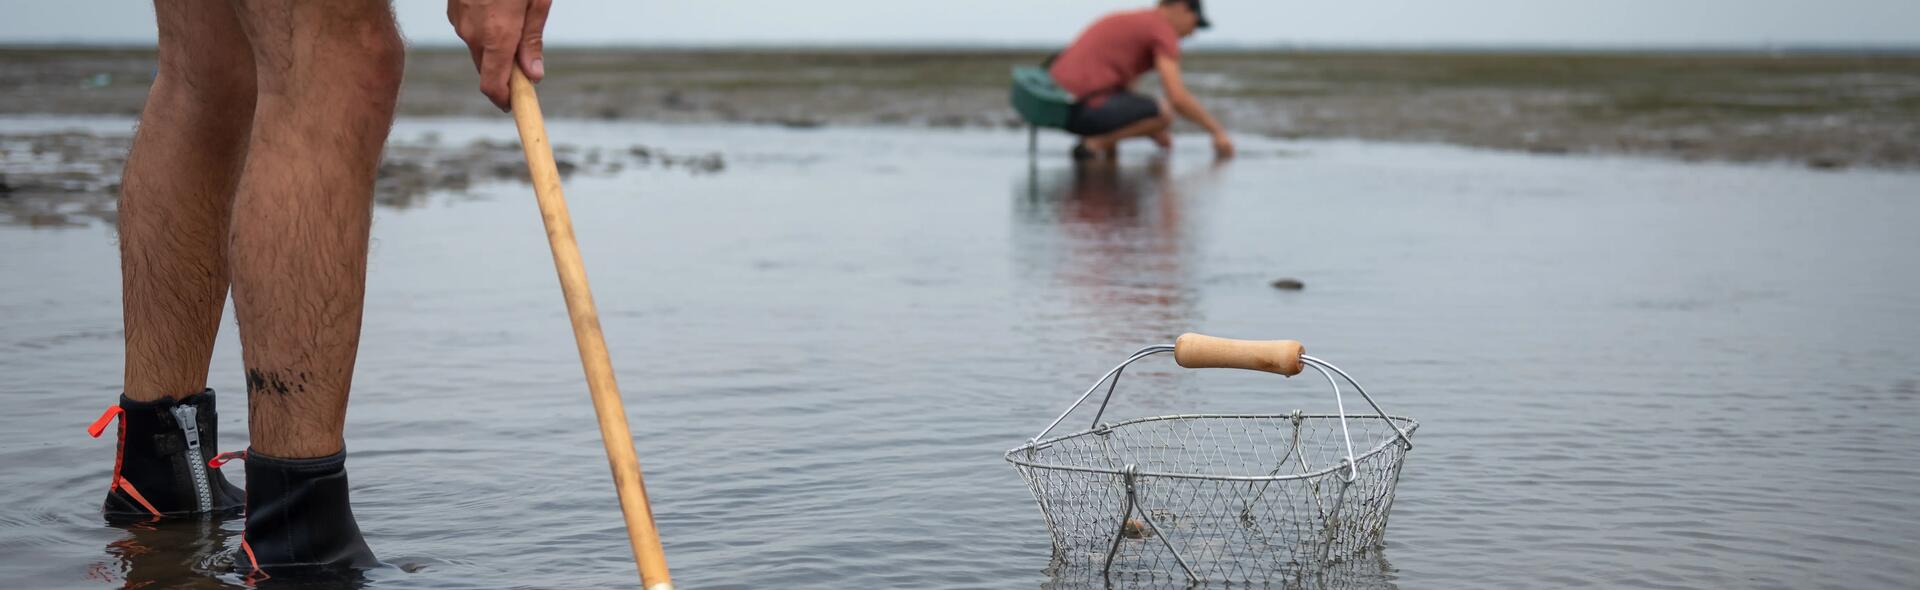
{"x":1115,"y":51}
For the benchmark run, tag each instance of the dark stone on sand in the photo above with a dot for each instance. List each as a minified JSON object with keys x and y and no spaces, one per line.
{"x":709,"y":164}
{"x":674,"y":101}
{"x":1826,"y":164}
{"x":49,"y":219}
{"x":1288,"y":284}
{"x":948,"y":121}
{"x":453,"y":180}
{"x":391,"y":169}
{"x":799,"y":123}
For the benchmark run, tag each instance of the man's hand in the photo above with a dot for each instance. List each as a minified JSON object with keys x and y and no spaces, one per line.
{"x":498,"y":34}
{"x":1183,"y":102}
{"x":1222,"y":146}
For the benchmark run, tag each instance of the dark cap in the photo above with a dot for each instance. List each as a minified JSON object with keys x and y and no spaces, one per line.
{"x":1197,"y":13}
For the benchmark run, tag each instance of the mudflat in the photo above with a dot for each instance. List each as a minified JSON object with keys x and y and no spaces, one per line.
{"x":1824,"y":111}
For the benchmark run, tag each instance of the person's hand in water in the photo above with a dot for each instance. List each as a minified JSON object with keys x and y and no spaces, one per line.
{"x":1222,"y":145}
{"x":500,"y":33}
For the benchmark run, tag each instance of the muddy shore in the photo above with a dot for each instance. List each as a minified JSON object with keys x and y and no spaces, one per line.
{"x":1824,"y":112}
{"x":71,"y":179}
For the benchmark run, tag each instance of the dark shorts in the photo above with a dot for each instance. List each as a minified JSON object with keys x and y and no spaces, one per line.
{"x":1118,"y":109}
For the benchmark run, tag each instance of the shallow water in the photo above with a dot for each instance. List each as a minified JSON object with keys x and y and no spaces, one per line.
{"x":1628,"y":373}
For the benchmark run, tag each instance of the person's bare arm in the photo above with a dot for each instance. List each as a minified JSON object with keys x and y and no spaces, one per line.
{"x":499,"y":33}
{"x":1184,"y":103}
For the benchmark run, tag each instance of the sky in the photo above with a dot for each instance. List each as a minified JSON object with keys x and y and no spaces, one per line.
{"x":1552,"y":23}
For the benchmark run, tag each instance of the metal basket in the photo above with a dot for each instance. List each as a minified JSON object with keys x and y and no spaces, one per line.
{"x":1217,"y":497}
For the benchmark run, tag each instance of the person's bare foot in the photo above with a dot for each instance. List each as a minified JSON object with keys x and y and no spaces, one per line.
{"x":1102,"y":146}
{"x":1164,"y":139}
{"x":1093,"y":148}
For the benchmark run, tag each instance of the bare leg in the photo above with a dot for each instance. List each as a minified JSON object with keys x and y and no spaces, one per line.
{"x":1105,"y":144}
{"x":176,"y":194}
{"x":329,"y":75}
{"x":1164,"y":137}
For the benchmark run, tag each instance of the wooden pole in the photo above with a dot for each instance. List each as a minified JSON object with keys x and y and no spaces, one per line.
{"x":586,"y":333}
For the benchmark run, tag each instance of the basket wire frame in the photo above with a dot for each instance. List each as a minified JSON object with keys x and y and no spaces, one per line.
{"x":1216,"y":497}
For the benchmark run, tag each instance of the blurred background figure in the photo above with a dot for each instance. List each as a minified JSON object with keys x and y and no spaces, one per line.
{"x":1101,"y":66}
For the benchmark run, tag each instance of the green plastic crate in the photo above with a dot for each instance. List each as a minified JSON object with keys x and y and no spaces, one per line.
{"x":1038,"y":99}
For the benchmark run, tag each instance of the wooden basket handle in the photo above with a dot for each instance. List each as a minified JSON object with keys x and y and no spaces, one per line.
{"x":1199,"y":351}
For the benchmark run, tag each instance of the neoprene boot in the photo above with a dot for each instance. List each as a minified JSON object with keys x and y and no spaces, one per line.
{"x":160,"y":469}
{"x":298,"y":518}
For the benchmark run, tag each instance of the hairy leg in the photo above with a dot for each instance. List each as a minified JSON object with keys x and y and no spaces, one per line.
{"x":176,"y":194}
{"x":329,"y":76}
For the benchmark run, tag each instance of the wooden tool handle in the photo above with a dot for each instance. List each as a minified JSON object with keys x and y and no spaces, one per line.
{"x":612,"y":414}
{"x":1198,"y":351}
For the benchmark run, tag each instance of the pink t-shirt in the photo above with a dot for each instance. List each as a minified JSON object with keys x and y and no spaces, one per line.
{"x":1114,"y":52}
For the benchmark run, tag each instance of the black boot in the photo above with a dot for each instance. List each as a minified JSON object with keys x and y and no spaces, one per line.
{"x":160,"y":469}
{"x":298,"y":519}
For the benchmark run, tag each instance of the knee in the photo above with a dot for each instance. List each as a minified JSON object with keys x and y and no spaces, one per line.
{"x":376,"y":59}
{"x":360,"y":60}
{"x":387,"y":61}
{"x":204,"y":57}
{"x":214,"y":77}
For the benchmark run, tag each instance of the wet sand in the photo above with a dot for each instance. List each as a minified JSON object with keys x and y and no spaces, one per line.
{"x":1823,"y":111}
{"x":58,"y":176}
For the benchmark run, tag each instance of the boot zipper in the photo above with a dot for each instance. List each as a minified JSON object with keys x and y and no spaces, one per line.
{"x":186,"y":415}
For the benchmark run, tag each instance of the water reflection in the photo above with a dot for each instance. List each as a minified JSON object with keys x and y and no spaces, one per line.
{"x":195,"y":554}
{"x":1364,"y":572}
{"x":1115,"y":239}
{"x":175,"y":554}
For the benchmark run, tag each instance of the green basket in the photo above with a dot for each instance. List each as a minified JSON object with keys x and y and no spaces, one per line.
{"x":1038,"y":99}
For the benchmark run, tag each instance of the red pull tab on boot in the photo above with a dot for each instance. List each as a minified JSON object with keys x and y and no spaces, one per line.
{"x":224,"y":458}
{"x":100,"y":425}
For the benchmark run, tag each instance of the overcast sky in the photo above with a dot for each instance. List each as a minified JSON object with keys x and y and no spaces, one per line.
{"x":1751,"y":23}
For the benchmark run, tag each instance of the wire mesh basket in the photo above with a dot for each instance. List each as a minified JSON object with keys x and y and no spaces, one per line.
{"x":1218,"y":497}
